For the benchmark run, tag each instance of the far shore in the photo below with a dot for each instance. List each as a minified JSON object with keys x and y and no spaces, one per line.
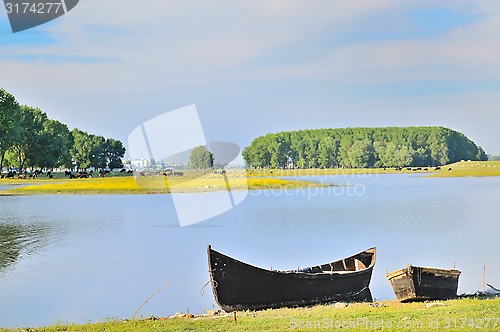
{"x":210,"y":181}
{"x":458,"y":169}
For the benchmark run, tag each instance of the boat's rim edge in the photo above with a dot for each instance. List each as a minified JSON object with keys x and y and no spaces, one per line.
{"x":406,"y":270}
{"x":372,"y":250}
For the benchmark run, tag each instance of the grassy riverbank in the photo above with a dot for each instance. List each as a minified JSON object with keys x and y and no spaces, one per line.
{"x":190,"y":182}
{"x":205,"y":181}
{"x":452,"y":315}
{"x":459,"y":169}
{"x":470,"y":168}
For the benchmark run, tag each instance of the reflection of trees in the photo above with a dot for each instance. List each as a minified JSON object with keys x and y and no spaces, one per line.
{"x":17,"y":241}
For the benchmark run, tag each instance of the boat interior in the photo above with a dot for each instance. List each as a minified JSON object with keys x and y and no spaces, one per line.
{"x":355,"y":263}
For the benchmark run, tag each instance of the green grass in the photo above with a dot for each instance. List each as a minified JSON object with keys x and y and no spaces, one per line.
{"x":470,"y":168}
{"x":452,"y":315}
{"x":459,"y":169}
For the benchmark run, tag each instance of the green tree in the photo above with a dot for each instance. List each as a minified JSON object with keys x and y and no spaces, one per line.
{"x":310,"y":149}
{"x":481,"y":155}
{"x":297,"y":147}
{"x":403,"y":156}
{"x":360,"y":153}
{"x":257,"y":154}
{"x":279,"y":149}
{"x":384,"y":153}
{"x":201,"y":158}
{"x":9,"y":123}
{"x":327,"y":152}
{"x":81,"y":151}
{"x":90,"y":150}
{"x":98,"y":151}
{"x":114,"y":152}
{"x":345,"y":145}
{"x":438,"y":147}
{"x":30,"y":137}
{"x":53,"y":146}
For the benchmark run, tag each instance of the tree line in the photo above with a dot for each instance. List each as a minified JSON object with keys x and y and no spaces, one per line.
{"x":29,"y":138}
{"x":361,"y":147}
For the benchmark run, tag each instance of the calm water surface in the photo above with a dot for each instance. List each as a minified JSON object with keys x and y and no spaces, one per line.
{"x":87,"y":258}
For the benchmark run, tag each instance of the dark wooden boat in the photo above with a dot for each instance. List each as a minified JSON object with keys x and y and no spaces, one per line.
{"x":240,"y":286}
{"x":415,"y":283}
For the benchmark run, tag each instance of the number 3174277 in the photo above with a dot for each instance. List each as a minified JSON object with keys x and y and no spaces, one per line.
{"x":33,"y":8}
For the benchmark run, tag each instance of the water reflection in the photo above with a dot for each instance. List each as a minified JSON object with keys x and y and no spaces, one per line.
{"x":31,"y":225}
{"x":18,"y":241}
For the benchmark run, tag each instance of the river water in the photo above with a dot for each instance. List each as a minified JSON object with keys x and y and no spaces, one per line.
{"x":80,"y":258}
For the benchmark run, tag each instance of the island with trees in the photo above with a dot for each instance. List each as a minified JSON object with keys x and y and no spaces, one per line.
{"x":361,"y":148}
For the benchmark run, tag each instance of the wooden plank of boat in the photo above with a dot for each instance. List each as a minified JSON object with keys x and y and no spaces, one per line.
{"x":415,"y":283}
{"x":240,"y":286}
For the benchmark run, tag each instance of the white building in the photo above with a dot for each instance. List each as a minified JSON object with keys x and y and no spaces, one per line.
{"x":141,"y":164}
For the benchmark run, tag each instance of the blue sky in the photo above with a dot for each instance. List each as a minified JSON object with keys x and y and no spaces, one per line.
{"x":263,"y":66}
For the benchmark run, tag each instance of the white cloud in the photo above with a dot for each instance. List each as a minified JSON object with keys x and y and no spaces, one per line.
{"x":191,"y":40}
{"x":115,"y":56}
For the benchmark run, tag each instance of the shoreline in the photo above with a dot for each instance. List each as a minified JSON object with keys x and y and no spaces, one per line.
{"x":458,"y":169}
{"x":390,"y":315}
{"x":203,"y":182}
{"x":147,"y":186}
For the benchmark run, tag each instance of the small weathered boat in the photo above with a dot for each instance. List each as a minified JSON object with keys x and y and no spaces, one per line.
{"x":240,"y":286}
{"x":415,"y":283}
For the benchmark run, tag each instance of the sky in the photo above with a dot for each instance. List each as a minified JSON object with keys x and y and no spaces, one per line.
{"x":254,"y":67}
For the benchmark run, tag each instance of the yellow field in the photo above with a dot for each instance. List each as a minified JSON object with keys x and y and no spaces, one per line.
{"x":146,"y":185}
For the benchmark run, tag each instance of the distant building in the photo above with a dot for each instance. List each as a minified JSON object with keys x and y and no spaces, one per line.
{"x":141,"y":164}
{"x":148,"y":163}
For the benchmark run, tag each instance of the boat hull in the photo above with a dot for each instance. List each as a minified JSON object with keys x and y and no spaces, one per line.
{"x":415,"y":283}
{"x":240,"y":286}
